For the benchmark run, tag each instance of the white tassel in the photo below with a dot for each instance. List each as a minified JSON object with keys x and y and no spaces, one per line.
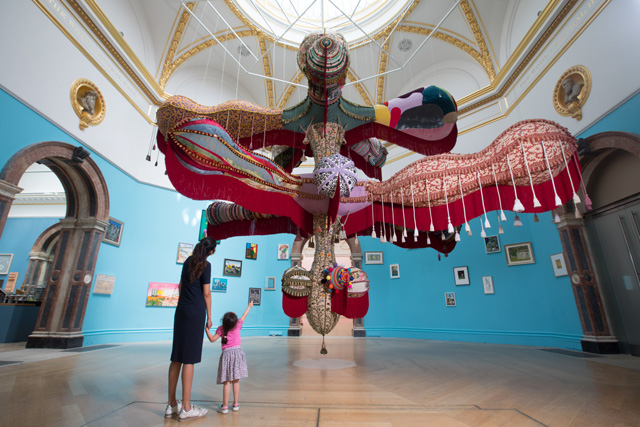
{"x":557,"y":198}
{"x":536,"y":202}
{"x":393,"y":220}
{"x":487,"y":224}
{"x":373,"y":221}
{"x":383,"y":231}
{"x":442,"y":235}
{"x":457,"y":236}
{"x":517,"y":204}
{"x":428,"y":240}
{"x":495,"y":179}
{"x":578,"y":214}
{"x":556,"y":218}
{"x":402,"y":239}
{"x":483,"y":233}
{"x":429,"y":198}
{"x":464,"y":209}
{"x":357,"y":241}
{"x":576,"y":198}
{"x":404,"y":221}
{"x":503,"y":217}
{"x":500,"y":229}
{"x":517,"y":222}
{"x":415,"y":225}
{"x":446,"y":200}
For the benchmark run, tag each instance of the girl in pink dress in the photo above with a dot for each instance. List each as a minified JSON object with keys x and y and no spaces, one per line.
{"x":233,"y":363}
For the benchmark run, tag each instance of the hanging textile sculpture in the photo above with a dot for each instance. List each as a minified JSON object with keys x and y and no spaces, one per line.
{"x":211,"y":153}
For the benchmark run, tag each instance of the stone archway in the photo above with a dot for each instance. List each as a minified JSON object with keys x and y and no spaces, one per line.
{"x":356,"y":261}
{"x":59,"y":324}
{"x":581,"y":245}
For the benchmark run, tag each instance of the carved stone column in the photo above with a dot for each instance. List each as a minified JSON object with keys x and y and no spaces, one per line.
{"x":59,"y":323}
{"x":595,"y":327}
{"x":295,"y":325}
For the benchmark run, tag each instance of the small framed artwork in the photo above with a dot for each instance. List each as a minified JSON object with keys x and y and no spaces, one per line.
{"x":270,"y":284}
{"x":487,"y":284}
{"x":218,"y":285}
{"x":283,"y":251}
{"x":184,"y":252}
{"x":104,"y":284}
{"x":252,"y":251}
{"x":5,"y":263}
{"x":373,"y":258}
{"x":232,"y":267}
{"x":163,"y":294}
{"x":450,"y":299}
{"x":519,"y":253}
{"x":113,"y":232}
{"x":559,"y":267}
{"x":492,"y":244}
{"x":461,"y":275}
{"x":254,"y":295}
{"x":203,"y":225}
{"x":394,"y":271}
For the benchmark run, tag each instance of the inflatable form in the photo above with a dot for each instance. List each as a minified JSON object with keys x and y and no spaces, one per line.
{"x":211,"y":154}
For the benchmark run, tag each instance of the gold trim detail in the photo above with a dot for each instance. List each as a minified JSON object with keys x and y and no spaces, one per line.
{"x":266,"y":67}
{"x":87,"y":102}
{"x":359,"y":87}
{"x":289,"y":93}
{"x":571,"y":91}
{"x":168,"y":68}
{"x":114,"y":53}
{"x":486,"y":61}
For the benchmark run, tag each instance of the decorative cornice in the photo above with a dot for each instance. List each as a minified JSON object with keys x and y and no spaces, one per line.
{"x":167,"y":68}
{"x":359,"y":87}
{"x":266,"y":67}
{"x":287,"y":95}
{"x":41,"y":199}
{"x":486,"y":61}
{"x":116,"y":55}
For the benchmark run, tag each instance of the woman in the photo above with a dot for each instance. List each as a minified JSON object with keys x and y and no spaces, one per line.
{"x":188,"y":328}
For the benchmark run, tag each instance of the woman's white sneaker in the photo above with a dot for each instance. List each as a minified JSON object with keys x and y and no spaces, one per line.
{"x":195,"y":412}
{"x":170,"y":411}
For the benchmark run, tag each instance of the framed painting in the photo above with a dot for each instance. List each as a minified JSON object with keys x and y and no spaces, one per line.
{"x":461,"y":275}
{"x":270,"y":284}
{"x":113,"y":232}
{"x":104,"y":284}
{"x":184,"y":252}
{"x":252,"y":251}
{"x":519,"y":253}
{"x":163,"y":294}
{"x":374,"y":258}
{"x":450,"y":299}
{"x":232,"y":267}
{"x":559,"y":267}
{"x":203,"y":225}
{"x":394,"y":271}
{"x":254,"y":295}
{"x":492,"y":244}
{"x":218,"y":285}
{"x":487,"y":284}
{"x":283,"y":251}
{"x":5,"y":263}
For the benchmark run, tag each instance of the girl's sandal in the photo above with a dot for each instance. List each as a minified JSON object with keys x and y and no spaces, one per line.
{"x":235,"y":407}
{"x":223,"y":409}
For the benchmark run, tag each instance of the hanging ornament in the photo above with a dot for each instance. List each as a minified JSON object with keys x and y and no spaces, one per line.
{"x":373,"y":221}
{"x":446,"y":198}
{"x":535,"y":218}
{"x":467,"y":228}
{"x":429,"y":198}
{"x":544,"y":151}
{"x":576,"y":198}
{"x":383,"y":230}
{"x":415,"y":225}
{"x":536,"y":202}
{"x":487,"y":224}
{"x":517,"y":204}
{"x":393,"y":221}
{"x":556,"y":218}
{"x":404,"y":221}
{"x":517,"y":222}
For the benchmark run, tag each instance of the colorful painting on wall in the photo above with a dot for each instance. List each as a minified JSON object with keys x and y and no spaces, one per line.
{"x":218,"y":285}
{"x":252,"y":251}
{"x":283,"y":251}
{"x":162,"y":294}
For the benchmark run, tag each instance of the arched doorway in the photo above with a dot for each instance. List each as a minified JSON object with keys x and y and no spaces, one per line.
{"x":354,"y":253}
{"x":59,"y":323}
{"x":611,"y":170}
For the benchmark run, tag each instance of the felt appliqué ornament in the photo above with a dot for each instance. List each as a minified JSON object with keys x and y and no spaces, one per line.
{"x":336,"y":278}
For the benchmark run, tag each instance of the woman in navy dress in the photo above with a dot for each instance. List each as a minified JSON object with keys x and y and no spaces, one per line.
{"x":194,"y":307}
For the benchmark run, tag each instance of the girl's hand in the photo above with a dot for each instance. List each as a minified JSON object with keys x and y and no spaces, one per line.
{"x":209,"y":324}
{"x":250,"y":303}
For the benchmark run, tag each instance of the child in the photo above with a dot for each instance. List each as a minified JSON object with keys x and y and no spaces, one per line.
{"x":233,"y":363}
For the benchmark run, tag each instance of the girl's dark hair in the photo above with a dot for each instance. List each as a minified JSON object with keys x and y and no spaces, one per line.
{"x":198,"y":259}
{"x":229,"y":321}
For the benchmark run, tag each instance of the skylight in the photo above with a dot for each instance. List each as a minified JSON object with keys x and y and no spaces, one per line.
{"x":291,"y":20}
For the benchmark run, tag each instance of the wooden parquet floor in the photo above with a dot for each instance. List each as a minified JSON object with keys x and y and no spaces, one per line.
{"x":395,"y":382}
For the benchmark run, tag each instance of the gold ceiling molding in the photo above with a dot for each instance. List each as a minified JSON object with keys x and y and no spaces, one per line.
{"x":112,"y":50}
{"x":468,"y":49}
{"x":486,"y":61}
{"x":266,"y":68}
{"x":173,"y":46}
{"x":381,"y":69}
{"x":359,"y":87}
{"x":521,"y":66}
{"x":287,"y":95}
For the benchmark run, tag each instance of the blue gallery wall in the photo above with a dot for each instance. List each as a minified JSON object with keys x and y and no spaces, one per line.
{"x":622,"y":119}
{"x":530,"y":305}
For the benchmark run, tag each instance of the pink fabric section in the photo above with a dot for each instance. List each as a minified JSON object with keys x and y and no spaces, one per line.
{"x":233,"y":336}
